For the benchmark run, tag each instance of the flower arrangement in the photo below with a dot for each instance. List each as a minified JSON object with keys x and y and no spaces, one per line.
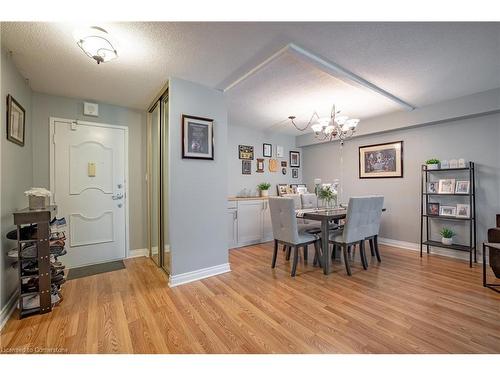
{"x":327,"y":194}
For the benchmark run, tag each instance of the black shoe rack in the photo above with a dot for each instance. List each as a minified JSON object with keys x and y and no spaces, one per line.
{"x":41,"y":218}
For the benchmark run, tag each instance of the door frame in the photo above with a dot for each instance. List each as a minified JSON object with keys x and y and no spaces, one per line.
{"x":52,"y":122}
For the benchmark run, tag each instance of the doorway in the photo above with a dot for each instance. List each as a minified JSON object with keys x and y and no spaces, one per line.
{"x":88,"y":178}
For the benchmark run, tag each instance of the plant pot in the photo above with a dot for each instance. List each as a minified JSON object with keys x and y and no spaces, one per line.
{"x":432,"y":166}
{"x":446,"y":241}
{"x":264,"y":193}
{"x":495,"y":261}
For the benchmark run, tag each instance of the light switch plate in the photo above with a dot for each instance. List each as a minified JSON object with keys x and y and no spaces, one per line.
{"x":90,"y":109}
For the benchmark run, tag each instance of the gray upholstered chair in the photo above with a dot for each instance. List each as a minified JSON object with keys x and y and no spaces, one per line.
{"x":362,"y":221}
{"x":286,"y":230}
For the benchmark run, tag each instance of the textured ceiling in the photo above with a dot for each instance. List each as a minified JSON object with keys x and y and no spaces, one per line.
{"x":421,"y":63}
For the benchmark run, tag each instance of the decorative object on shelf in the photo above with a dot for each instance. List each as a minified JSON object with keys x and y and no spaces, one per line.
{"x":432,"y":164}
{"x":273,"y":165}
{"x":39,"y":198}
{"x":267,"y":150}
{"x":328,"y":196}
{"x":246,"y":167}
{"x":446,"y":186}
{"x":260,"y":166}
{"x":461,"y":163}
{"x":197,"y":138}
{"x":264,"y":188}
{"x":447,"y":236}
{"x":453,"y":163}
{"x":294,"y":159}
{"x":330,"y":128}
{"x":295,"y":187}
{"x":384,"y":160}
{"x":280,"y":152}
{"x":433,"y":187}
{"x":283,"y":171}
{"x":448,"y":211}
{"x":16,"y":121}
{"x":245,"y":152}
{"x":445,"y":164}
{"x":283,"y":163}
{"x":433,"y":209}
{"x":462,"y":187}
{"x":463,"y":210}
{"x":282,"y":189}
{"x":96,"y":43}
{"x":301,"y":190}
{"x":295,"y":173}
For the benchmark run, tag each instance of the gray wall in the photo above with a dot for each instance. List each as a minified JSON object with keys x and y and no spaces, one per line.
{"x":17,"y":169}
{"x":46,"y":106}
{"x":238,"y":135}
{"x":198,"y":188}
{"x":474,"y":139}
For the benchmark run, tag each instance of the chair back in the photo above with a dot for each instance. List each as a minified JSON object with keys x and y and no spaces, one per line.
{"x":283,"y":219}
{"x":296,"y":200}
{"x":362,"y":218}
{"x":309,"y":200}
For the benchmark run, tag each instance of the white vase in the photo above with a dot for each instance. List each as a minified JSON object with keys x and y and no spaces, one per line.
{"x":264,"y":193}
{"x":447,"y":241}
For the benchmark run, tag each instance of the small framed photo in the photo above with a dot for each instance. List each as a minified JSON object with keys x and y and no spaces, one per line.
{"x":283,"y":163}
{"x":301,"y":190}
{"x":282,"y":189}
{"x":267,"y":150}
{"x":280,"y":152}
{"x":260,"y":166}
{"x":433,"y":209}
{"x":445,"y":164}
{"x":462,"y":187}
{"x":246,"y":167}
{"x":433,"y":187}
{"x":446,"y":186}
{"x":463,"y":210}
{"x":295,"y":173}
{"x":294,"y":159}
{"x":447,"y":211}
{"x":245,"y":152}
{"x":16,"y":121}
{"x":283,"y":171}
{"x":453,"y":163}
{"x":197,"y":138}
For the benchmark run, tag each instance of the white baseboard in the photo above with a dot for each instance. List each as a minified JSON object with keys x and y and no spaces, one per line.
{"x":203,"y":273}
{"x":138,"y":253}
{"x":8,"y":309}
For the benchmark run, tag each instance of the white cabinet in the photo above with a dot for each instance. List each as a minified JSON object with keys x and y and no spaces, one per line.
{"x":267,"y":227}
{"x":249,"y":222}
{"x":232,"y":226}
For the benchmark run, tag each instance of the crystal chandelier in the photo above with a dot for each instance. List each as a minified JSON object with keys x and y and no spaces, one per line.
{"x":330,"y":128}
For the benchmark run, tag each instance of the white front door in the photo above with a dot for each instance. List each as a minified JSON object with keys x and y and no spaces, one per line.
{"x":88,"y":182}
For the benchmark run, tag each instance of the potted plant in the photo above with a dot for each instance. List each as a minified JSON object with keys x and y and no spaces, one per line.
{"x":446,"y":236}
{"x":327,"y":195}
{"x":432,"y":163}
{"x":264,"y":188}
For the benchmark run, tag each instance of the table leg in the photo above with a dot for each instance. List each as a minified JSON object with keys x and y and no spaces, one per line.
{"x":484,"y":265}
{"x":326,"y":248}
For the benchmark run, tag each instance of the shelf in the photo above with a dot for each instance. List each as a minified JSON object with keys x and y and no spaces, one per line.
{"x":467,"y":249}
{"x":447,"y":169}
{"x":449,"y":217}
{"x":29,"y":294}
{"x":26,"y":312}
{"x":451,"y":195}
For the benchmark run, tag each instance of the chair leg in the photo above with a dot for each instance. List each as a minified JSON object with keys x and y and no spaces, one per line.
{"x":372,"y":246}
{"x":275,"y":253}
{"x":317,"y":253}
{"x":346,"y":260}
{"x":284,"y":247}
{"x":306,"y":253}
{"x":377,"y":251}
{"x":362,"y":253}
{"x":295,"y":260}
{"x":334,"y":252}
{"x":288,"y":251}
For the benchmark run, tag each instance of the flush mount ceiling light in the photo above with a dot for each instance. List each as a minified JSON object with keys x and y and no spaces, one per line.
{"x":330,"y":128}
{"x":96,"y":43}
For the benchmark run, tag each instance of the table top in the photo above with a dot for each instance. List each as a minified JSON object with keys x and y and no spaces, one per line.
{"x":323,"y":214}
{"x":495,"y":245}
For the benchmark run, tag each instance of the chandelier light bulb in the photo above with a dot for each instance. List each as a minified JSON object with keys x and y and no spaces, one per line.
{"x":96,"y":43}
{"x":324,"y":121}
{"x":341,"y":120}
{"x":352,"y":123}
{"x":317,"y":127}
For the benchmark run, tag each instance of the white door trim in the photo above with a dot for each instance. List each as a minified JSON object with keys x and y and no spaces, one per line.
{"x":52,"y":121}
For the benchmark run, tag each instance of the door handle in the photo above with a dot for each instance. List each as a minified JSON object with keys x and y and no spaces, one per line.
{"x":117,"y":196}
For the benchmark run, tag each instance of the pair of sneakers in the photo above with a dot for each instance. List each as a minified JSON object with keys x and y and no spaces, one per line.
{"x":57,"y":224}
{"x":33,"y":302}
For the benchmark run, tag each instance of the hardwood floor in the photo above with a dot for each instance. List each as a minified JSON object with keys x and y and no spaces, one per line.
{"x":403,"y":305}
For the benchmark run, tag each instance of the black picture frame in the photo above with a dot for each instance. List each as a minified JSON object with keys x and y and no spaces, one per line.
{"x":204,"y":135}
{"x":433,"y":209}
{"x":398,"y":173}
{"x":297,"y":164}
{"x":295,"y":173}
{"x":14,"y":111}
{"x":245,"y":152}
{"x":270,"y":149}
{"x":246,"y":167}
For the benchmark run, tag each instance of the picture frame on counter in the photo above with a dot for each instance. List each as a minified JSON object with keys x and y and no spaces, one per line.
{"x":294,"y":159}
{"x":245,"y":152}
{"x":463,"y":211}
{"x":282,"y":189}
{"x":267,"y":150}
{"x":433,"y":209}
{"x":295,"y":173}
{"x":446,"y":186}
{"x":295,"y":187}
{"x":246,"y":167}
{"x":448,"y":211}
{"x":462,"y":187}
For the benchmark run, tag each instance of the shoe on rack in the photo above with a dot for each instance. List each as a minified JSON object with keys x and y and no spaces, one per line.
{"x":57,"y":224}
{"x":57,"y":266}
{"x":61,"y":252}
{"x":57,"y":243}
{"x":57,"y":279}
{"x":57,"y":236}
{"x":29,"y":267}
{"x":13,"y":253}
{"x":29,"y":251}
{"x":27,"y":233}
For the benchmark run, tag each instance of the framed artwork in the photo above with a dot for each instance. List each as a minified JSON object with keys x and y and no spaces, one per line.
{"x":295,"y":187}
{"x":16,"y":121}
{"x":245,"y":152}
{"x":282,"y":189}
{"x":294,"y":159}
{"x":273,"y":165}
{"x":384,"y":160}
{"x":446,"y":186}
{"x":453,"y":163}
{"x":295,"y":173}
{"x":260,"y":166}
{"x":267,"y":150}
{"x":462,"y":187}
{"x":283,"y":171}
{"x":463,"y":211}
{"x":433,"y":187}
{"x":447,"y":211}
{"x":197,"y":138}
{"x":283,"y":164}
{"x":301,"y":190}
{"x":445,"y":164}
{"x":433,"y":209}
{"x":280,"y":152}
{"x":246,"y":167}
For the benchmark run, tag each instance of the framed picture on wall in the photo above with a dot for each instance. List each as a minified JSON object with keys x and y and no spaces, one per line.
{"x":260,"y":166}
{"x":384,"y":160}
{"x":245,"y":152}
{"x":267,"y":150}
{"x":294,"y":159}
{"x":16,"y":121}
{"x":295,"y":173}
{"x":197,"y":138}
{"x":280,"y":151}
{"x":246,"y":167}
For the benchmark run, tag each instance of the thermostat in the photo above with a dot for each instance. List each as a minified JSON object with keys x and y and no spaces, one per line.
{"x":91,"y":109}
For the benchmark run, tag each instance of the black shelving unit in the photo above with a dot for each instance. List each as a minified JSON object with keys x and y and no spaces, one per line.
{"x":425,"y":218}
